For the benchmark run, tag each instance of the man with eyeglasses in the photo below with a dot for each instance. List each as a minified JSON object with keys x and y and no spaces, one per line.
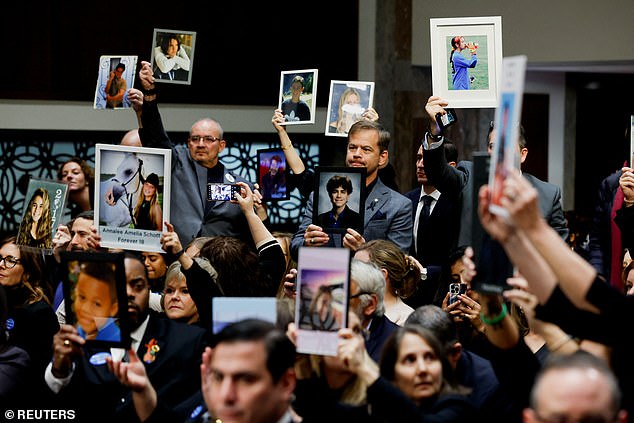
{"x":367,"y":289}
{"x":575,"y":388}
{"x":194,"y":166}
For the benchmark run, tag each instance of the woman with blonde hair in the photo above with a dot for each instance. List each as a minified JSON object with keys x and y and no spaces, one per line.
{"x":401,"y":274}
{"x":148,"y":213}
{"x":36,"y":229}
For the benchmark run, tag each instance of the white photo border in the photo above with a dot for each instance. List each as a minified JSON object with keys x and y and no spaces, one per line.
{"x":158,"y":31}
{"x":491,"y":26}
{"x":332,"y":102}
{"x":313,"y":341}
{"x":124,"y":237}
{"x":105,"y":65}
{"x":313,"y":102}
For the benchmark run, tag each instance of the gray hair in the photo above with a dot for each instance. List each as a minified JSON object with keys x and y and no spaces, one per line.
{"x":175,"y":270}
{"x":369,"y":279}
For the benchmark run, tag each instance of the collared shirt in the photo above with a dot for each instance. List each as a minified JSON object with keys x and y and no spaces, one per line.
{"x":435,"y":195}
{"x":56,"y":384}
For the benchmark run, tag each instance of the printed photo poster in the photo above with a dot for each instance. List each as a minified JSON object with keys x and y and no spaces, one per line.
{"x":321,"y":309}
{"x":466,"y":59}
{"x":338,"y":199}
{"x":115,"y":77}
{"x":505,"y":157}
{"x":228,"y":310}
{"x":298,"y":89}
{"x":347,"y":102}
{"x":172,"y":56}
{"x":44,"y":205}
{"x":132,"y":196}
{"x":272,"y":174}
{"x":95,"y":298}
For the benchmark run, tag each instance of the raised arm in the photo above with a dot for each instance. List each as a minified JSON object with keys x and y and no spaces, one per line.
{"x":152,"y":132}
{"x":446,"y":178}
{"x":292,"y":158}
{"x":574,"y":274}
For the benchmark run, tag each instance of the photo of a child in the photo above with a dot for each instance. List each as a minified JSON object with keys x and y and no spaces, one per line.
{"x":95,"y":302}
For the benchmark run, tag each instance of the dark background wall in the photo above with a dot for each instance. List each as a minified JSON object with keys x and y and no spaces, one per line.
{"x":52,"y":49}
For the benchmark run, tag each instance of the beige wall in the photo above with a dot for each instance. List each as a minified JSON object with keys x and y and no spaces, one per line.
{"x":546,"y":31}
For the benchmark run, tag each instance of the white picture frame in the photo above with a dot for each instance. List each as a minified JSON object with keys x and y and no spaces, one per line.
{"x":484,"y":36}
{"x":307,"y":98}
{"x":323,"y":296}
{"x":119,"y":174}
{"x":338,"y":120}
{"x":108,"y":64}
{"x":177,"y":69}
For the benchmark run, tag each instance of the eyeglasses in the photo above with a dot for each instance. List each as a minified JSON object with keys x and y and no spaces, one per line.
{"x":207,"y":139}
{"x":358,"y":294}
{"x":9,"y":261}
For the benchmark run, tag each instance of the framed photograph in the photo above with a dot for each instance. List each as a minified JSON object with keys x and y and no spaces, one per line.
{"x":505,"y":157}
{"x":466,"y":60}
{"x":172,"y":56}
{"x":95,"y":298}
{"x":272,"y":174}
{"x":43,"y":209}
{"x":232,"y":309}
{"x":348,"y":100}
{"x":116,"y":76}
{"x":132,"y":196}
{"x":298,"y":89}
{"x":321,"y":306}
{"x":339,"y":198}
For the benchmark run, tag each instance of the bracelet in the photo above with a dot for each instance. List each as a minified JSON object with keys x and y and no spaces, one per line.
{"x":494,"y":320}
{"x":433,"y":137}
{"x":180,"y":253}
{"x":151,"y":91}
{"x":288,"y":147}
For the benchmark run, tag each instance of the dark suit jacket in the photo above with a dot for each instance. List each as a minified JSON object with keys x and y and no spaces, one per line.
{"x":189,"y":214}
{"x":96,"y":395}
{"x":347,"y":219}
{"x":440,"y":234}
{"x":600,"y":236}
{"x":459,"y":181}
{"x":387,"y":215}
{"x":550,"y":204}
{"x":380,"y":329}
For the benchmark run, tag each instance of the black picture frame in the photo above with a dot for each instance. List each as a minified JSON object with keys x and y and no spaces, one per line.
{"x":273,"y":187}
{"x":94,"y":267}
{"x":355,"y":203}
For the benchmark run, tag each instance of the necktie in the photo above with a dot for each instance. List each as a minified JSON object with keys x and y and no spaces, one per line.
{"x":422,"y":223}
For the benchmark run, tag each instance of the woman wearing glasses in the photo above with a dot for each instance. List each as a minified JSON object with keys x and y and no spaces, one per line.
{"x":31,"y":321}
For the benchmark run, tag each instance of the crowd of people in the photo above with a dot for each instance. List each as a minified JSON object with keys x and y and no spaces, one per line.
{"x":546,"y":348}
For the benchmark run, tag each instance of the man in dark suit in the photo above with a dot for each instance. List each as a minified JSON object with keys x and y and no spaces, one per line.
{"x":171,"y":353}
{"x":387,"y":213}
{"x":367,"y":288}
{"x":442,"y":175}
{"x":436,"y":219}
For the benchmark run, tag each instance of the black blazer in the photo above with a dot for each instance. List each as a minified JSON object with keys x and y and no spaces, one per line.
{"x":440,"y":234}
{"x":97,"y":395}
